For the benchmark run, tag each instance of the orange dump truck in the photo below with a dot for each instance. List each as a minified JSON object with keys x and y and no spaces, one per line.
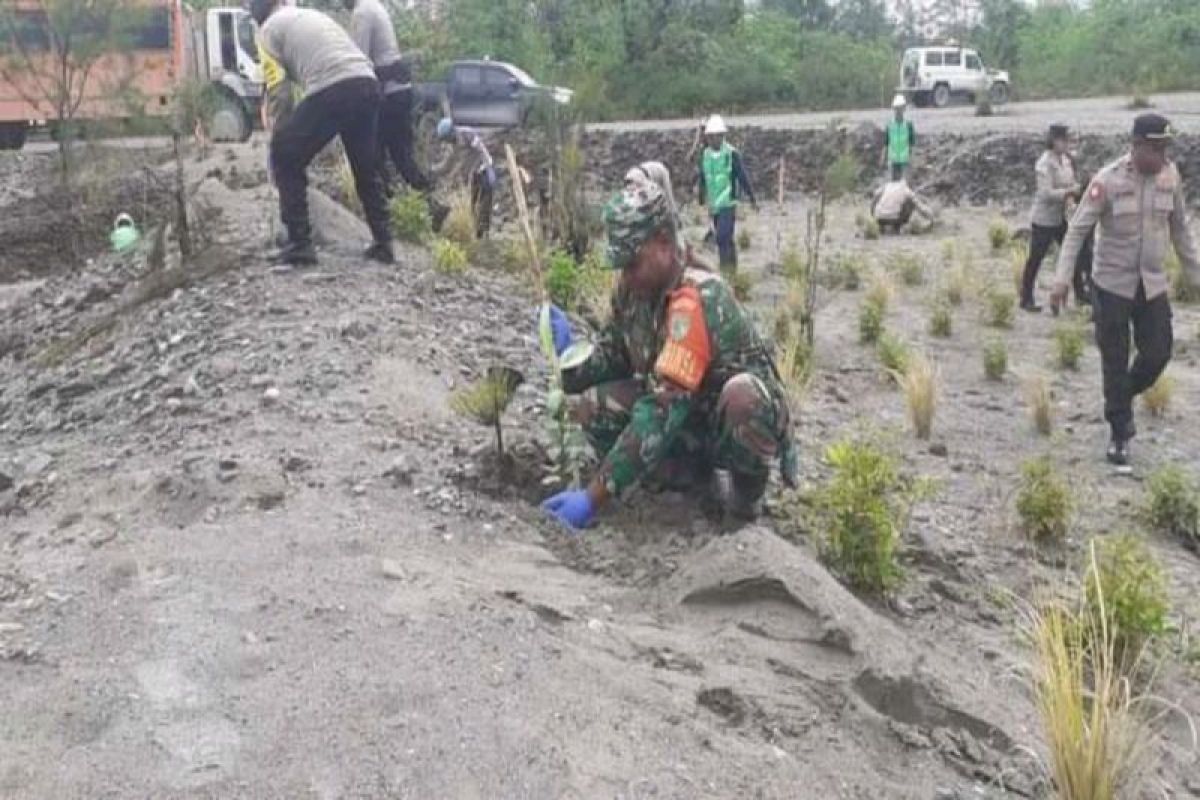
{"x":161,"y":44}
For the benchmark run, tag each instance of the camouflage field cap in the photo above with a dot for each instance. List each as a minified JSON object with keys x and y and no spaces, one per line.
{"x":632,"y":218}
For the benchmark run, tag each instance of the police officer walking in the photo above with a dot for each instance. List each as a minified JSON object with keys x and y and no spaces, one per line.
{"x":1138,"y":203}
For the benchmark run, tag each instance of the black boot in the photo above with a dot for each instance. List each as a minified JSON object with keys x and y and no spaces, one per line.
{"x":297,"y":254}
{"x":745,"y":501}
{"x":1118,"y":444}
{"x":381,"y":252}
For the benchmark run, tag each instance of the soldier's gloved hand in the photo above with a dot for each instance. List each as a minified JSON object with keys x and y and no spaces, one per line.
{"x":560,"y":327}
{"x":573,"y":508}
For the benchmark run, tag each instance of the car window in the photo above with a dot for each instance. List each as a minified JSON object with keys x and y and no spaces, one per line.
{"x":933,"y":58}
{"x":974,"y":63}
{"x":953,"y":58}
{"x":497,"y":77}
{"x":468,"y":76}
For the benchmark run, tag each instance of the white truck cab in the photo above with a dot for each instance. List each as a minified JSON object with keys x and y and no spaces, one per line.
{"x":223,"y":49}
{"x":936,"y":75}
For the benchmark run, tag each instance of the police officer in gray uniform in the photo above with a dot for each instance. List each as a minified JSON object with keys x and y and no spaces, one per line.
{"x":1139,"y":205}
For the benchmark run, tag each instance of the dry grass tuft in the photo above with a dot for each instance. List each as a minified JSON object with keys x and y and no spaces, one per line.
{"x":1157,"y":399}
{"x":920,"y":384}
{"x":1100,"y":729}
{"x":459,"y":225}
{"x":1040,"y":402}
{"x":881,"y":290}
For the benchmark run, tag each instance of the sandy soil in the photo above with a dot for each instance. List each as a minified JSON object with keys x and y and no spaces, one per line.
{"x":250,"y":552}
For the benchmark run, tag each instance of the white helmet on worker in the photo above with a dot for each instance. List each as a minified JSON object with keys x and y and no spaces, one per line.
{"x":715,"y":126}
{"x":899,"y":101}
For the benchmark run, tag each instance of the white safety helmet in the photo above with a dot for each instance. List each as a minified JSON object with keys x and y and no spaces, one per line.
{"x":899,"y":101}
{"x":715,"y":126}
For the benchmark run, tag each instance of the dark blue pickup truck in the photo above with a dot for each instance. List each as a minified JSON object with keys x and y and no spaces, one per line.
{"x":486,"y":94}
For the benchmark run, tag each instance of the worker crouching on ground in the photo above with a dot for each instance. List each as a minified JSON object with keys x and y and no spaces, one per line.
{"x":679,"y":382}
{"x":894,"y":207}
{"x":483,"y":172}
{"x":341,"y":98}
{"x":722,"y":178}
{"x":1139,"y":205}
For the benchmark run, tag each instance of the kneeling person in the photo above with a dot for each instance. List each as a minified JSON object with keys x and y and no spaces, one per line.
{"x":679,"y":379}
{"x":894,"y":205}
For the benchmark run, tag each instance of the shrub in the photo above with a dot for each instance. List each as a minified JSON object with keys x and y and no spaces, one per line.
{"x":1068,"y":343}
{"x":792,"y":263}
{"x":919,"y":383}
{"x":486,"y":400}
{"x":410,"y":217}
{"x":893,"y":354}
{"x":1126,"y":586}
{"x":742,"y":285}
{"x":863,"y":508}
{"x":1173,"y":506}
{"x":999,"y":235}
{"x":743,"y":239}
{"x":870,"y":322}
{"x":995,"y":359}
{"x":941,"y":323}
{"x":957,"y":283}
{"x":449,"y":258}
{"x":949,"y":249}
{"x":881,"y":290}
{"x":1139,"y":102}
{"x":795,"y":362}
{"x":1041,"y":407}
{"x":845,"y":272}
{"x":1044,"y":501}
{"x":910,"y":269}
{"x":870,"y":229}
{"x":1157,"y":398}
{"x":1020,"y":254}
{"x":459,"y":225}
{"x":562,"y":279}
{"x":1096,"y":729}
{"x":1001,"y":307}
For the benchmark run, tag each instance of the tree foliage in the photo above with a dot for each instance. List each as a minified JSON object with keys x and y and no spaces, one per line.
{"x":705,"y":55}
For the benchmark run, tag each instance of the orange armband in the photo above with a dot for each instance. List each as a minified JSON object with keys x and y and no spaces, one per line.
{"x":686,"y":355}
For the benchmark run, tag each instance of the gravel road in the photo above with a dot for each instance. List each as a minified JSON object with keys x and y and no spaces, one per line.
{"x":1090,"y":115}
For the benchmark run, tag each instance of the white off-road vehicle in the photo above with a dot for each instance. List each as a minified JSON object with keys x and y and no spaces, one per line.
{"x":936,"y":75}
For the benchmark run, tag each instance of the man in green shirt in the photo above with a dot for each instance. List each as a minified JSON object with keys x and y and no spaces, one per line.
{"x":722,"y":175}
{"x":901,"y":138}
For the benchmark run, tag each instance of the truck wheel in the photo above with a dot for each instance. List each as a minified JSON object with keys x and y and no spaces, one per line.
{"x":433,"y":156}
{"x":229,"y":121}
{"x":941,"y":95}
{"x":998,"y":94}
{"x":12,"y":137}
{"x":920,"y":99}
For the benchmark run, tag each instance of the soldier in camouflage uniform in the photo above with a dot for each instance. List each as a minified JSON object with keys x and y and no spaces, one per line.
{"x":679,"y":378}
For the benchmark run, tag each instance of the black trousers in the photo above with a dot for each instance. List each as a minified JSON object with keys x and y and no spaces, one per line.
{"x":1082,"y":279}
{"x":350,"y":110}
{"x":1153,"y":337}
{"x":1040,"y":240}
{"x":396,"y":137}
{"x":482,"y":194}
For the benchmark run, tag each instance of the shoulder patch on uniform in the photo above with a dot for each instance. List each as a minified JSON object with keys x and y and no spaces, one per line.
{"x":686,"y":354}
{"x":1096,"y":192}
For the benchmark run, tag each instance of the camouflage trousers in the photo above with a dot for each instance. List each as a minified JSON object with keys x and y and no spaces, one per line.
{"x":743,"y":432}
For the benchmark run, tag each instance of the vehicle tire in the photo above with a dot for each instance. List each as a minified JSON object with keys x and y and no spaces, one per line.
{"x":229,"y":120}
{"x":434,"y":157}
{"x":998,"y":94}
{"x":12,"y":137}
{"x":941,"y":95}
